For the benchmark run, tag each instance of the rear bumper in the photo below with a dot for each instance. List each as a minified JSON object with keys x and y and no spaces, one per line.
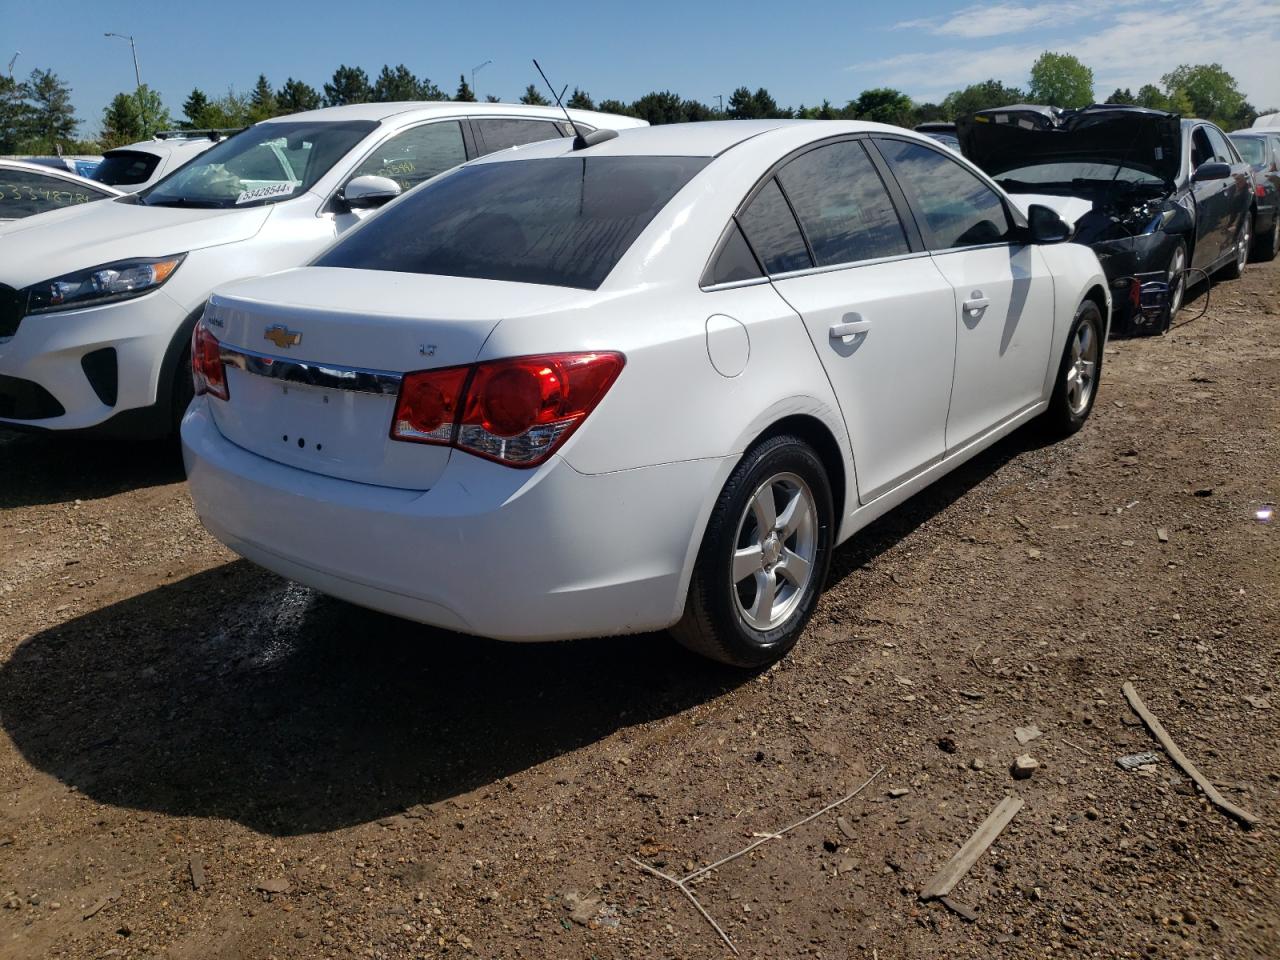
{"x":125,"y":343}
{"x":515,"y":555}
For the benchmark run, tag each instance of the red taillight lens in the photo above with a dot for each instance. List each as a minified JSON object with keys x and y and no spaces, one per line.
{"x":1259,"y":190}
{"x":516,"y":411}
{"x":427,"y":407}
{"x":207,"y":369}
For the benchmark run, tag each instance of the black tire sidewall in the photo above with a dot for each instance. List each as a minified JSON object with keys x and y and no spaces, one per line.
{"x":742,"y":643}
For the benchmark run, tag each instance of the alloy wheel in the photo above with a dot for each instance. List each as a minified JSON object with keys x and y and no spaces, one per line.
{"x":1242,"y":247}
{"x":1082,"y":372}
{"x":775,"y":549}
{"x":1177,"y":280}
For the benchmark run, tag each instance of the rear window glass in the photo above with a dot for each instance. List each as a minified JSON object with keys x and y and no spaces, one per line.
{"x":773,"y":232}
{"x":562,"y":221}
{"x":122,"y":168}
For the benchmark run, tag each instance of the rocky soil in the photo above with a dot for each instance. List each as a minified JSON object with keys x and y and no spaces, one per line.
{"x":200,"y":760}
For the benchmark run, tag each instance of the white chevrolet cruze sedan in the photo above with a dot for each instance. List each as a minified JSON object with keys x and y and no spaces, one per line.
{"x":651,"y":382}
{"x":97,"y":301}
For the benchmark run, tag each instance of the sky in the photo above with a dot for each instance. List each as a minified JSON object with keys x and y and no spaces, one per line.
{"x":825,"y":49}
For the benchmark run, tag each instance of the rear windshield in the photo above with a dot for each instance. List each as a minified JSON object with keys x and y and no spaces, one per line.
{"x":563,"y":221}
{"x":1250,"y":148}
{"x":122,"y":168}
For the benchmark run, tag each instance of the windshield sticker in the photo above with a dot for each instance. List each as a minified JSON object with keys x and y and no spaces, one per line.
{"x":263,"y":193}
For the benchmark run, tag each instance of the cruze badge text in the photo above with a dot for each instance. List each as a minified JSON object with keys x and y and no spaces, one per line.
{"x":282,"y":336}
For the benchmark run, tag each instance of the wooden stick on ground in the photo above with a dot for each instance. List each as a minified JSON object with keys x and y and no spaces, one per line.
{"x":955,"y":868}
{"x":1243,"y":817}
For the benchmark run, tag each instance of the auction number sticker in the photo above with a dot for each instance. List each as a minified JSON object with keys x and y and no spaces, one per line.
{"x":264,"y":193}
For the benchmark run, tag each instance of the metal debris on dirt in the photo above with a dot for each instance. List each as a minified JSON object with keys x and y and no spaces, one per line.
{"x":1243,"y":817}
{"x":953,"y":870}
{"x":681,"y":883}
{"x":1136,"y":761}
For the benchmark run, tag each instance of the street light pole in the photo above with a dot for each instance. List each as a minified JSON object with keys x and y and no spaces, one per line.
{"x":474,"y":70}
{"x":137,"y":76}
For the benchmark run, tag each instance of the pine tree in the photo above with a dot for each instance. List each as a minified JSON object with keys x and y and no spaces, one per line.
{"x":262,"y":101}
{"x":396,"y":85}
{"x":296,"y":96}
{"x":580,"y":100}
{"x":193,"y":109}
{"x":349,"y":85}
{"x":465,"y":94}
{"x":533,"y":97}
{"x":52,"y":120}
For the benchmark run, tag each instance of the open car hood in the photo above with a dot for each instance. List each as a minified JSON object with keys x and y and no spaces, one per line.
{"x":1024,"y":135}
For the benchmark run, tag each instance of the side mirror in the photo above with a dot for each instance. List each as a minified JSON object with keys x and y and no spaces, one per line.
{"x":1045,"y":226}
{"x":368,"y":192}
{"x":1211,"y":170}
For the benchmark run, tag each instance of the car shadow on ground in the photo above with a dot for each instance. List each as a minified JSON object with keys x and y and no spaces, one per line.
{"x":236,"y":694}
{"x":42,"y":468}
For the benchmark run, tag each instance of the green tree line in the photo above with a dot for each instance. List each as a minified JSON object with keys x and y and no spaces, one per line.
{"x":37,"y":116}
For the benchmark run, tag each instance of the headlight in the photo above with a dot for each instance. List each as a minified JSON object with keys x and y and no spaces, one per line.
{"x":104,"y":284}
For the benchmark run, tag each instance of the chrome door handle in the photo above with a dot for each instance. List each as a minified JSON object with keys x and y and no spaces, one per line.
{"x":976,"y":304}
{"x":851,"y":328}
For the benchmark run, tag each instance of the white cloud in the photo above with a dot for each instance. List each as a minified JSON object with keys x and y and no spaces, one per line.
{"x":1125,"y":47}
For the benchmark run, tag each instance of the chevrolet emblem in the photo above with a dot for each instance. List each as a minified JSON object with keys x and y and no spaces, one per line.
{"x":282,"y":336}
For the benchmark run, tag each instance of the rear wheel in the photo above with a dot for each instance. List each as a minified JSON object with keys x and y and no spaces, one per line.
{"x":764,"y":557}
{"x":1244,"y":240}
{"x":1267,"y":245}
{"x":1078,"y":373}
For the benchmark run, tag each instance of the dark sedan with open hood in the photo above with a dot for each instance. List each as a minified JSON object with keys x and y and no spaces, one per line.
{"x":1158,"y":198}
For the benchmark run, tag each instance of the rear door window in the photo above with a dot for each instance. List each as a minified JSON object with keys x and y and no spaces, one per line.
{"x":564,"y":221}
{"x":23,"y":194}
{"x":959,"y":210}
{"x":771,"y":229}
{"x":500,"y":133}
{"x":843,"y":205}
{"x":417,"y":154}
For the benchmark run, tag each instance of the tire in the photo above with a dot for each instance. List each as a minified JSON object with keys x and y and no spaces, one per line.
{"x":1177,"y":277}
{"x":723,"y":617}
{"x":1076,"y":387}
{"x":1267,"y":245}
{"x":1235,"y":269}
{"x":182,"y":392}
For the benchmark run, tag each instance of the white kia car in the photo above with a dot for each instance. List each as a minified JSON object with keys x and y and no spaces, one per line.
{"x":97,"y":302}
{"x":572,"y":390}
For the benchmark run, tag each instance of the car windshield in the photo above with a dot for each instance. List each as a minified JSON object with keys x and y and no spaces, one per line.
{"x":264,"y":164}
{"x":1250,"y":148}
{"x":563,"y":221}
{"x":1068,"y":172}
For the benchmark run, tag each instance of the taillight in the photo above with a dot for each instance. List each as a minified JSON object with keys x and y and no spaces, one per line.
{"x":1259,"y":190}
{"x":207,"y":369}
{"x":516,"y":411}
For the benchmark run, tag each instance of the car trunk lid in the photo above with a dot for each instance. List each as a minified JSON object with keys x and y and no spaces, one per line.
{"x":315,"y":357}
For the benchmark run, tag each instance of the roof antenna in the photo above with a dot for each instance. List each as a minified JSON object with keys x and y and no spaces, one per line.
{"x":580,"y":140}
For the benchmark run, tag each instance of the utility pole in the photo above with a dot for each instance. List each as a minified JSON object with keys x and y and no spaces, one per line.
{"x":474,"y":70}
{"x":137,"y":76}
{"x":12,"y":61}
{"x":720,"y":97}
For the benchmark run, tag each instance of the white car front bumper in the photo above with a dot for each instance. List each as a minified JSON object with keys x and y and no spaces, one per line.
{"x":47,"y":351}
{"x":512,"y":554}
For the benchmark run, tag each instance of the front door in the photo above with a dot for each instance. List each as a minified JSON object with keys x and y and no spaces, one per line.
{"x":1003,"y":304}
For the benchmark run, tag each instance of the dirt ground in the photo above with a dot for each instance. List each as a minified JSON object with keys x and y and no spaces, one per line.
{"x":200,"y":760}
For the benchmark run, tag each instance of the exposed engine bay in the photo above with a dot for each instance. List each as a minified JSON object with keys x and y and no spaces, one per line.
{"x":1110,"y":175}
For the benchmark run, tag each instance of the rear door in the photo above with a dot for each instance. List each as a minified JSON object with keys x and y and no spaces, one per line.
{"x":878,"y":311}
{"x":1239,"y":186}
{"x":1003,"y":292}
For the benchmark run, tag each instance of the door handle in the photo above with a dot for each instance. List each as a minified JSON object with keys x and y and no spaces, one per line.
{"x":977,"y":303}
{"x":850,"y":328}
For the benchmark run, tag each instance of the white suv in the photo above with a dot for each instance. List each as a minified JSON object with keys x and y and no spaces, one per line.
{"x":97,"y":303}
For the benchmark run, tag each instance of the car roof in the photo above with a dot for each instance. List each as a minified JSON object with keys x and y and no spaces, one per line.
{"x":59,"y":172}
{"x":427,"y":108}
{"x":708,"y":138}
{"x":165,"y":147}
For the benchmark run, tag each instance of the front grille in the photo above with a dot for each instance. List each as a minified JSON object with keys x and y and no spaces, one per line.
{"x":13,"y":303}
{"x":24,"y":400}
